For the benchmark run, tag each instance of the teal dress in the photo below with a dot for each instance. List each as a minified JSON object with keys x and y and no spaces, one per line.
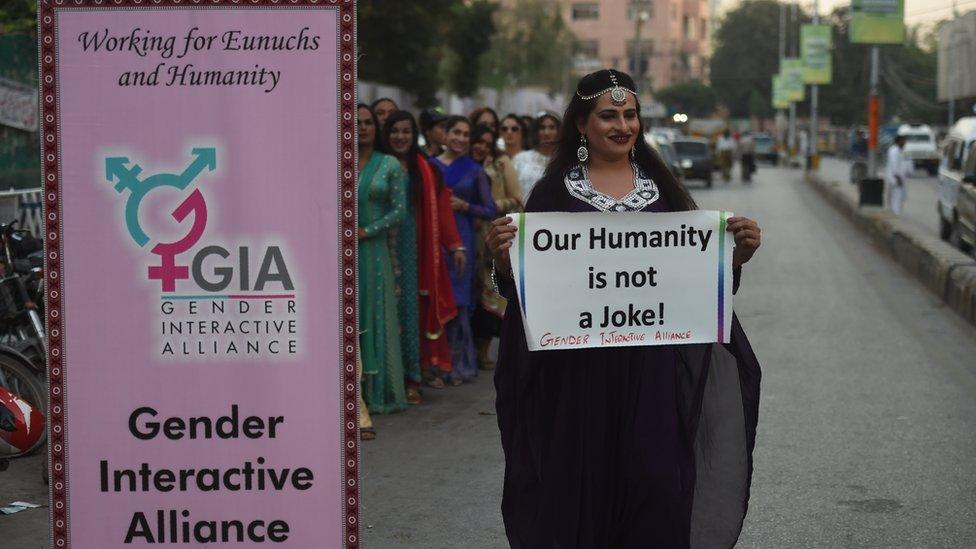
{"x":381,"y":207}
{"x":404,"y":241}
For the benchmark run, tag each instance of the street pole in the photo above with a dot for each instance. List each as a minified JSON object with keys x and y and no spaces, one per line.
{"x":637,"y":6}
{"x":782,"y":52}
{"x":792,"y":131}
{"x":815,"y":155}
{"x":952,"y":75}
{"x":873,"y":107}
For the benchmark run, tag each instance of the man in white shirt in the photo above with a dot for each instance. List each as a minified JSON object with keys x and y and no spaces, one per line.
{"x":897,"y":169}
{"x":726,"y":154}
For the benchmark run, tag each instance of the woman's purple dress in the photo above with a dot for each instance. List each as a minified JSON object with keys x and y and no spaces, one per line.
{"x":469,"y":182}
{"x":602,"y":446}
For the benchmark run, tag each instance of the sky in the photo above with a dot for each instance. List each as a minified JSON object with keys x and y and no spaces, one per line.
{"x":917,"y":12}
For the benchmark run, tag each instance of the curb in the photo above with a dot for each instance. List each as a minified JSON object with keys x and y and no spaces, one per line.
{"x":944,"y":270}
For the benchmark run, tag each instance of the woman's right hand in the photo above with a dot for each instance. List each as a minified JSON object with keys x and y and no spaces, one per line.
{"x":500,"y":237}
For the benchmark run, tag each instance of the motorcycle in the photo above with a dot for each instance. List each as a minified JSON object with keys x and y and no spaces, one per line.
{"x":23,"y":345}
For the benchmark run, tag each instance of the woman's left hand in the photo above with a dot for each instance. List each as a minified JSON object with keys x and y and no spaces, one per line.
{"x":748,"y":238}
{"x":458,"y":205}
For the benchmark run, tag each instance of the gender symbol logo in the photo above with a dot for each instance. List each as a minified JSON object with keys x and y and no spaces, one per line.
{"x":168,"y":271}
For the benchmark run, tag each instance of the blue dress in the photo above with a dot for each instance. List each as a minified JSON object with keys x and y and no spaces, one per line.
{"x":468,"y":181}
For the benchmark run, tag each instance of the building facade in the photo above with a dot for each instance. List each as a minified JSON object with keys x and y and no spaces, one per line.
{"x":674,"y":43}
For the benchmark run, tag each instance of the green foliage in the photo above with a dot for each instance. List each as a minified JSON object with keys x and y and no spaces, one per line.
{"x":693,"y":98}
{"x":532,"y":47}
{"x":746,"y":55}
{"x":469,"y":38}
{"x":400,"y":43}
{"x":907,"y":79}
{"x":18,"y":16}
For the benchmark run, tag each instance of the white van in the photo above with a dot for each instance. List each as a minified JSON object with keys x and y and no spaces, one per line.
{"x":958,"y":153}
{"x":920,"y":147}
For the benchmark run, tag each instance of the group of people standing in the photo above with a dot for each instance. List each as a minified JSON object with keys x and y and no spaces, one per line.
{"x":427,"y":308}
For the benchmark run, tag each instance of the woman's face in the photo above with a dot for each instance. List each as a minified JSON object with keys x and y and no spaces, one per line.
{"x":367,"y":130}
{"x":511,"y":133}
{"x":611,"y":130}
{"x":487,"y":119}
{"x":481,"y":148}
{"x":548,"y":132}
{"x":401,"y":137}
{"x":458,"y":137}
{"x":384,"y":109}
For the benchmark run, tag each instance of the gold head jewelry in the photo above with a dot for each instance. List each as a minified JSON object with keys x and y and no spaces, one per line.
{"x":618,"y":93}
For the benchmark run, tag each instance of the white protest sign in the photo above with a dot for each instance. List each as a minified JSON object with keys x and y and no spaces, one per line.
{"x":622,"y":279}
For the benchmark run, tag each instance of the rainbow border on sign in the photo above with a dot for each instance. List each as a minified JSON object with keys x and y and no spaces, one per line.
{"x":521,"y":251}
{"x":721,"y":275}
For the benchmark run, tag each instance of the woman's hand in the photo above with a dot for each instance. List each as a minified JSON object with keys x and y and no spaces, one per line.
{"x":460,"y":260}
{"x":458,"y":205}
{"x":748,"y":238}
{"x":362,"y":233}
{"x":499,"y":239}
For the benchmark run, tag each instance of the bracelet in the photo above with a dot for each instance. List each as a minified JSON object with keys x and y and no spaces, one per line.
{"x":459,"y":249}
{"x":494,"y":277}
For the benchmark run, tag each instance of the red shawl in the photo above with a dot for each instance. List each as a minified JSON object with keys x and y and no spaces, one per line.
{"x":435,"y":229}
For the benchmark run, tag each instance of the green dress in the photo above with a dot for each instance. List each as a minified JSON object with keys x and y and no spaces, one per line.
{"x":381,"y":206}
{"x":405,"y":268}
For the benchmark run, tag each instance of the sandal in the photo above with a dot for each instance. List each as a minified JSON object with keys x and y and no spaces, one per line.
{"x":434,"y":382}
{"x":455,"y":381}
{"x":413,"y":396}
{"x":367,"y":433}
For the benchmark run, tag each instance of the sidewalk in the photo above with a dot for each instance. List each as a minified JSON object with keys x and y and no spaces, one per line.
{"x":920,"y":205}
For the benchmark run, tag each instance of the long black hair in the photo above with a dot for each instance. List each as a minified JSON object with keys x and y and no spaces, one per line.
{"x":564,"y":157}
{"x":477,"y":132}
{"x":412,"y":154}
{"x":377,"y":142}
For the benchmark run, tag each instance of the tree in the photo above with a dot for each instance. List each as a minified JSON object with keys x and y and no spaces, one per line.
{"x":469,"y":38}
{"x":746,"y":55}
{"x":401,"y":43}
{"x":693,"y":98}
{"x":18,"y":16}
{"x":533,"y":47}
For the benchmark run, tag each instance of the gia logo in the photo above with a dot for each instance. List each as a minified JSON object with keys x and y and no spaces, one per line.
{"x":126,"y":174}
{"x":208,"y":316}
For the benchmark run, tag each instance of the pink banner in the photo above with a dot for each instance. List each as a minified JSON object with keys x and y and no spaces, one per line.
{"x":199,"y":181}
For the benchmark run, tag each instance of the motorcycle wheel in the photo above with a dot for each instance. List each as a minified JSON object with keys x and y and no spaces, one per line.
{"x":23,"y":382}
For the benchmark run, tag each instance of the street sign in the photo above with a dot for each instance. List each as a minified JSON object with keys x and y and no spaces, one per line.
{"x":779,"y":93}
{"x":199,"y":340}
{"x":815,"y":44}
{"x":792,"y":71}
{"x":877,"y":21}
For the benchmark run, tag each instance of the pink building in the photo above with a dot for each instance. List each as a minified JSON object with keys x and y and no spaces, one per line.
{"x":674,"y":38}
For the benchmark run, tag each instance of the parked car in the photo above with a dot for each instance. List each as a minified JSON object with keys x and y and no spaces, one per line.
{"x":957,"y":195}
{"x":666,"y":150}
{"x":920,"y":147}
{"x":696,"y":158}
{"x":765,"y":147}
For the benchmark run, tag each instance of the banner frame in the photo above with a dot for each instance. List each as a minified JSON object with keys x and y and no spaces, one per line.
{"x":51,"y":172}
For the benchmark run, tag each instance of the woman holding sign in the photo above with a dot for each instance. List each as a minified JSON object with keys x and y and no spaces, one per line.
{"x":641,"y":446}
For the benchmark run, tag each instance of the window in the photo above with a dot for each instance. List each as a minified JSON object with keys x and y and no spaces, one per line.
{"x":646,"y":48}
{"x":639,"y":6}
{"x":589,"y":49}
{"x":587,"y":10}
{"x":971,"y":160}
{"x":689,"y":27}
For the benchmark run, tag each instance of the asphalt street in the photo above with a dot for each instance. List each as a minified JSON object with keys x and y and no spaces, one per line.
{"x":867,"y":419}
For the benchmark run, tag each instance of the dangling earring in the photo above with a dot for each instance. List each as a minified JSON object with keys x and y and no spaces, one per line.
{"x":633,"y":153}
{"x":582,"y":152}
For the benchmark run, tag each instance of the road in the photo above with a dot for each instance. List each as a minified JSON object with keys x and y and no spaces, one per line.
{"x":867,"y":420}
